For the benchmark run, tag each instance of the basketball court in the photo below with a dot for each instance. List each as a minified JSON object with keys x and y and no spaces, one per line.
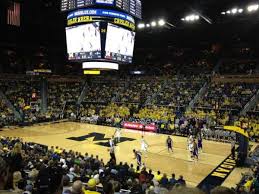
{"x":94,"y":140}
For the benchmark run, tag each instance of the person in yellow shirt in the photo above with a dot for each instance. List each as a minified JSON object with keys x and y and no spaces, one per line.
{"x":158,"y":176}
{"x":91,"y":187}
{"x":248,"y":184}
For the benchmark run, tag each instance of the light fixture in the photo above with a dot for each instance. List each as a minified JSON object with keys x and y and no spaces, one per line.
{"x":140,"y":26}
{"x":234,"y":11}
{"x":161,"y":22}
{"x":240,"y":10}
{"x":252,"y":8}
{"x":197,"y":17}
{"x":147,"y":25}
{"x":190,"y":18}
{"x":228,"y":12}
{"x":153,"y":24}
{"x":223,"y":13}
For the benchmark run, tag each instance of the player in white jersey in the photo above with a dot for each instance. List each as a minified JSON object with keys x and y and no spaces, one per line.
{"x":111,"y":142}
{"x":189,"y":141}
{"x":117,"y":135}
{"x":190,"y":145}
{"x":143,"y":144}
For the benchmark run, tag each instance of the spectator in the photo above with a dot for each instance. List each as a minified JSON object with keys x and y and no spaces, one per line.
{"x":91,"y":187}
{"x":248,"y":184}
{"x":77,"y":187}
{"x":158,"y":176}
{"x":16,"y":157}
{"x":255,"y":186}
{"x":50,"y":181}
{"x":108,"y":188}
{"x":181,"y":181}
{"x":17,"y":178}
{"x":4,"y":173}
{"x":173,"y":181}
{"x":164,"y":181}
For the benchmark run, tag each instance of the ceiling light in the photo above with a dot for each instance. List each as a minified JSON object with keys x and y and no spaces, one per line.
{"x":153,"y":23}
{"x":192,"y":17}
{"x":161,"y":22}
{"x":141,"y":26}
{"x":234,"y":11}
{"x":223,"y":13}
{"x":240,"y":10}
{"x":147,"y":25}
{"x":252,"y":8}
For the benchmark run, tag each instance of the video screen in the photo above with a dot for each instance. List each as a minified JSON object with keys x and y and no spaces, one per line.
{"x":105,"y":2}
{"x":119,"y":44}
{"x":84,"y":41}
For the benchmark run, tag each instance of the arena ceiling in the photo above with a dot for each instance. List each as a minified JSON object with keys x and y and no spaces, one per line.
{"x":43,"y":23}
{"x":43,"y":28}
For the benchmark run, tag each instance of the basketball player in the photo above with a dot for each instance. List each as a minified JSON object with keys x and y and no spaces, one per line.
{"x":137,"y":155}
{"x":143,"y":144}
{"x":111,"y":142}
{"x":195,"y":150}
{"x":169,"y":143}
{"x":190,"y":146}
{"x":117,"y":135}
{"x":189,"y":142}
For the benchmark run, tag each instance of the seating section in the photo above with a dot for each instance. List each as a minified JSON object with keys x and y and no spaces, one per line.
{"x":178,"y":92}
{"x":62,"y":97}
{"x":6,"y":115}
{"x":227,"y":96}
{"x":138,"y":90}
{"x":247,"y":67}
{"x":22,"y":93}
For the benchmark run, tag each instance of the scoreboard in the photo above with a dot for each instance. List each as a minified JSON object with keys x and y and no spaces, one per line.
{"x":133,"y":7}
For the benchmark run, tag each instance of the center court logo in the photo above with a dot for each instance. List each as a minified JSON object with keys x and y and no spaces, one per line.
{"x":99,"y":138}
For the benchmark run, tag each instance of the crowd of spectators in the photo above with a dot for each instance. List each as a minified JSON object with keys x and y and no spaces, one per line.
{"x":144,"y":99}
{"x":31,"y":168}
{"x":239,"y":67}
{"x":179,"y":91}
{"x":21,"y":93}
{"x":62,"y":98}
{"x":250,"y":180}
{"x":227,"y":96}
{"x":6,"y":115}
{"x":36,"y":169}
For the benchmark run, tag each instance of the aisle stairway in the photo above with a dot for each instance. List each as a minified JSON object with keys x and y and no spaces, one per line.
{"x":196,"y":98}
{"x":83,"y":93}
{"x":251,"y":104}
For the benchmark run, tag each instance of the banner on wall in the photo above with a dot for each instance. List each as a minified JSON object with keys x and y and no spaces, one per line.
{"x":139,"y":126}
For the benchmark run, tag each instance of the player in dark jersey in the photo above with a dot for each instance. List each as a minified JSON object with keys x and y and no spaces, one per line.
{"x":169,"y":143}
{"x":138,"y":157}
{"x":195,"y":150}
{"x":199,"y":142}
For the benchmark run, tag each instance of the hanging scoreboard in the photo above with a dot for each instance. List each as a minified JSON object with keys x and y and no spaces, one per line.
{"x":133,"y":7}
{"x":101,"y":30}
